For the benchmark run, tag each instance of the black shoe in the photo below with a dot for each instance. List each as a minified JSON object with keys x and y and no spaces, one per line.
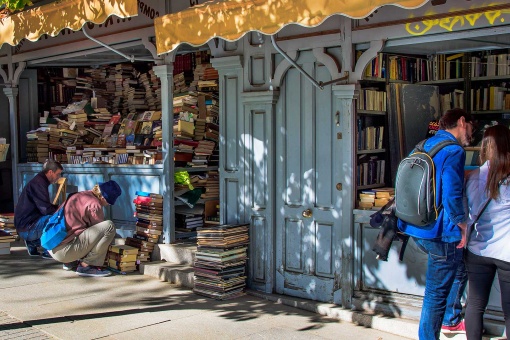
{"x":46,"y":255}
{"x":32,"y":249}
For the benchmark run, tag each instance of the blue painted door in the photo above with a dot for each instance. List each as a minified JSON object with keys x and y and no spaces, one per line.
{"x":307,"y":200}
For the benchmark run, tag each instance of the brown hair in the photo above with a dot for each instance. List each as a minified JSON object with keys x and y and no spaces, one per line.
{"x":496,"y":150}
{"x":449,"y":119}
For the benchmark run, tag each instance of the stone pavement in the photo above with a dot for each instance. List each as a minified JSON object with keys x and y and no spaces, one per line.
{"x":39,"y":300}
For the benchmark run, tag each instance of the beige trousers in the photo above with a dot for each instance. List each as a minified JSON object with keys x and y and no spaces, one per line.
{"x":90,"y":247}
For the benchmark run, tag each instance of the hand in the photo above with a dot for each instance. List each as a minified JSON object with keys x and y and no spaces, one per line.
{"x":463,"y":232}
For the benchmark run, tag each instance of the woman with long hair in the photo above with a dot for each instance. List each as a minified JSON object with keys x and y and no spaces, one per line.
{"x":489,"y":240}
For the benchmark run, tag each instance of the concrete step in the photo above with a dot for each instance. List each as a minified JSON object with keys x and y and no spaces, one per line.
{"x":179,"y":274}
{"x":175,"y":253}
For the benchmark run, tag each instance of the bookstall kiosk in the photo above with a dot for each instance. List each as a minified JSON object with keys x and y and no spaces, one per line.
{"x":265,"y":125}
{"x":288,"y":151}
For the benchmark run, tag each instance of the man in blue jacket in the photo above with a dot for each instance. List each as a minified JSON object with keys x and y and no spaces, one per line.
{"x":34,"y":207}
{"x":444,"y":239}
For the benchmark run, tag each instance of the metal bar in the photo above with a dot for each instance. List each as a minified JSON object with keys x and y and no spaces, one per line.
{"x":346,"y":77}
{"x":317,"y":84}
{"x":293,"y":63}
{"x":130,"y":58}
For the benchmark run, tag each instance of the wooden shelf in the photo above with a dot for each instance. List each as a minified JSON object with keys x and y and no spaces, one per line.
{"x":441,"y":82}
{"x":374,"y":79}
{"x":209,"y":168}
{"x":200,"y":201}
{"x":371,"y":113}
{"x":362,"y":152}
{"x":486,"y":78}
{"x":371,"y":186}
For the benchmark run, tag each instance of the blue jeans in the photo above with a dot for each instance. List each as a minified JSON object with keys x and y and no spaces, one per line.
{"x":33,"y":235}
{"x":445,"y":283}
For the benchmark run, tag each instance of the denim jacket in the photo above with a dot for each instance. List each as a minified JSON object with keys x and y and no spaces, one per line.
{"x":449,"y":163}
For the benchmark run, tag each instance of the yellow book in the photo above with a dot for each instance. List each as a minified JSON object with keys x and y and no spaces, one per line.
{"x":123,"y":249}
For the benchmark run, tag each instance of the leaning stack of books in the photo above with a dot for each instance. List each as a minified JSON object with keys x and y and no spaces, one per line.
{"x":149,"y":224}
{"x":220,"y":261}
{"x":122,"y":258}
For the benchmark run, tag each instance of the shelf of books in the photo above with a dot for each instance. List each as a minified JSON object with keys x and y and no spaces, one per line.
{"x":220,"y":261}
{"x":371,"y":122}
{"x":196,"y":155}
{"x":110,"y":114}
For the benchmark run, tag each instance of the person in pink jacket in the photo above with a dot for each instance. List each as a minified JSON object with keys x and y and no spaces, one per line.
{"x":88,"y":233}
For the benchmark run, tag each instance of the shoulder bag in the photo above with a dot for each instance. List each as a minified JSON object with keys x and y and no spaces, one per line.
{"x":54,"y":231}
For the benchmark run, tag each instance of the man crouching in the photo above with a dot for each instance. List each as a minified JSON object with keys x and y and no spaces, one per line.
{"x":88,"y":234}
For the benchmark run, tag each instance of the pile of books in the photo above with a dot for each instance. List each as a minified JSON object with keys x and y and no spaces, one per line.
{"x":187,"y":220}
{"x":149,"y":224}
{"x":7,"y":233}
{"x":7,"y":224}
{"x":220,"y":261}
{"x":122,"y":258}
{"x":375,"y":198}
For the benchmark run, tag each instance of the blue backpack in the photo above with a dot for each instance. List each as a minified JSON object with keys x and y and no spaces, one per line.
{"x":54,"y":231}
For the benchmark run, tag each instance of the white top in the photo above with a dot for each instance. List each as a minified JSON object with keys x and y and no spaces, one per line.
{"x":491,"y":235}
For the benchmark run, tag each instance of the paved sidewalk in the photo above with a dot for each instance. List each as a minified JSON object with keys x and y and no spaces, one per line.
{"x":39,"y":300}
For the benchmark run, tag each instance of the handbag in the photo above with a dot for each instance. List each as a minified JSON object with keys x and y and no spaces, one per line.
{"x":54,"y":231}
{"x":386,"y":220}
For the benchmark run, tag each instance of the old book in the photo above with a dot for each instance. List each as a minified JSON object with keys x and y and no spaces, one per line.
{"x":123,"y":249}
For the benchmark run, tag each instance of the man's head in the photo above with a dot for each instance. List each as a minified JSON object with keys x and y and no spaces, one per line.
{"x":459,"y":123}
{"x":110,"y":191}
{"x":53,"y":170}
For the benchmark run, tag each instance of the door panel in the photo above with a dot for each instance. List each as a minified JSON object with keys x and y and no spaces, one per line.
{"x":307,"y":219}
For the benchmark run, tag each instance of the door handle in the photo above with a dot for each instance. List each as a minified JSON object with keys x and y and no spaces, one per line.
{"x":307,"y":213}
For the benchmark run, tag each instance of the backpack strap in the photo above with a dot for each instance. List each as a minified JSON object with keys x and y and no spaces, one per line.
{"x":420,"y":147}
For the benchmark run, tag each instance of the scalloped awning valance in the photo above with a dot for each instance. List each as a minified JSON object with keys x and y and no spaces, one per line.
{"x":54,"y":17}
{"x":231,"y":19}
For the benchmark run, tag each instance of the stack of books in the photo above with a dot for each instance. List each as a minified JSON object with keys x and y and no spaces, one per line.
{"x":187,"y":220}
{"x":366,"y":199}
{"x":220,"y":261}
{"x":6,"y":239}
{"x":149,"y":224}
{"x":122,"y":258}
{"x":382,"y":196}
{"x":7,"y":224}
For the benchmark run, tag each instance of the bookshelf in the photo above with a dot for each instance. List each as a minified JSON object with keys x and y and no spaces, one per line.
{"x":371,"y":123}
{"x":478,"y":82}
{"x":195,"y":144}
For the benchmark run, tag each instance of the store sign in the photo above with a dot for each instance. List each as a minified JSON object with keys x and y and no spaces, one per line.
{"x":440,"y":17}
{"x":148,"y":10}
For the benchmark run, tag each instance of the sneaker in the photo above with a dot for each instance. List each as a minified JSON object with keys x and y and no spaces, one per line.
{"x":32,"y":248}
{"x":460,"y":328}
{"x":46,"y":255}
{"x":71,"y":265}
{"x":92,"y":271}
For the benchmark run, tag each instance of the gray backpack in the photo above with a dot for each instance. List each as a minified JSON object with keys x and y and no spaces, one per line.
{"x":415,"y":186}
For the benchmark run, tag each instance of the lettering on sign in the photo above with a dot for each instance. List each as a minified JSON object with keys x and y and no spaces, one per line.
{"x":193,"y":3}
{"x":458,"y":21}
{"x":148,"y":10}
